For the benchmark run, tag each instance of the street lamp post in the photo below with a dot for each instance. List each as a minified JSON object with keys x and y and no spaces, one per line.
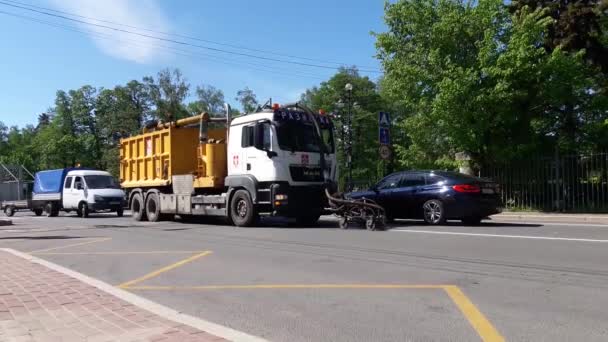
{"x":349,"y":142}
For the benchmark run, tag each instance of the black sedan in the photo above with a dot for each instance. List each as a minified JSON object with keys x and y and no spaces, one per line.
{"x":435,"y":196}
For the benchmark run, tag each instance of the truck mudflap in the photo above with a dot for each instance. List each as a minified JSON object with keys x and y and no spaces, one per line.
{"x":295,"y":201}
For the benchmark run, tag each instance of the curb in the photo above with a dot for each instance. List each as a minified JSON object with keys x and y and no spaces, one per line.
{"x":155,"y":308}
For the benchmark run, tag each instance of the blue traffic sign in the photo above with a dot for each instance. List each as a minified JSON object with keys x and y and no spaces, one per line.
{"x":384,"y":136}
{"x":384,"y":119}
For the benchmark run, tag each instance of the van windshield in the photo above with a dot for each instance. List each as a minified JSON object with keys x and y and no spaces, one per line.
{"x":100,"y":182}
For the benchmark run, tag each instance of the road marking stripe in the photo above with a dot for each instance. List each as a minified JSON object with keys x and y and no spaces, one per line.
{"x":118,"y":253}
{"x":480,"y":323}
{"x":163,"y":270}
{"x":286,"y":286}
{"x":544,"y":223}
{"x":146,"y":304}
{"x":495,"y":235}
{"x":71,"y":245}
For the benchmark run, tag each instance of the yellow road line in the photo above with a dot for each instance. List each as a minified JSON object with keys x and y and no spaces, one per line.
{"x":118,"y":253}
{"x":480,"y":323}
{"x":164,"y":269}
{"x":287,"y":286}
{"x":71,"y":245}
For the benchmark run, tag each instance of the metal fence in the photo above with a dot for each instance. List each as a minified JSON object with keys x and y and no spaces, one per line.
{"x":15,"y":183}
{"x":573,"y":183}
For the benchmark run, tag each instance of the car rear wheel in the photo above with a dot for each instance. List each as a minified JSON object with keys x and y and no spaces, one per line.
{"x":434,"y":212}
{"x":120,"y":212}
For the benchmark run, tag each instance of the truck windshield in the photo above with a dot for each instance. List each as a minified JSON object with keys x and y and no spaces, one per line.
{"x":100,"y":182}
{"x":296,"y":136}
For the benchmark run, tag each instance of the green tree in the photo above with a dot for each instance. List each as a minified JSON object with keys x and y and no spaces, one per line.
{"x":249,"y":102}
{"x":363,"y":103}
{"x":578,"y":25}
{"x":209,"y":99}
{"x":472,"y":78}
{"x":167,"y":94}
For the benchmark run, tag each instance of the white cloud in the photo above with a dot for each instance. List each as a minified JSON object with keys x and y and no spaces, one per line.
{"x":143,"y":14}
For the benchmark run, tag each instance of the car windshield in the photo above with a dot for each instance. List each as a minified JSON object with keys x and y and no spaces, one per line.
{"x":100,"y":182}
{"x":295,"y":136}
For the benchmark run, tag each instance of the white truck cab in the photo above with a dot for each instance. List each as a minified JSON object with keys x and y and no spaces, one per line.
{"x":89,"y":191}
{"x":288,"y":153}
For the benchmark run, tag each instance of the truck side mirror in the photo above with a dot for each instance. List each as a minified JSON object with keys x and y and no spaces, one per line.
{"x":78,"y":186}
{"x":258,"y":139}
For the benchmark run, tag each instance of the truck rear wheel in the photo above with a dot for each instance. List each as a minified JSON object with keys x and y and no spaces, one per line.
{"x":242,"y":212}
{"x":138,"y":208}
{"x":153,"y":207}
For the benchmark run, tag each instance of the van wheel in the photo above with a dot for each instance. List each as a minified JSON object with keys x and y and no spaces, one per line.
{"x":138,"y":208}
{"x":83,"y":210}
{"x":242,"y":211}
{"x":38,"y":211}
{"x":153,"y":207}
{"x":9,"y":211}
{"x":50,"y":210}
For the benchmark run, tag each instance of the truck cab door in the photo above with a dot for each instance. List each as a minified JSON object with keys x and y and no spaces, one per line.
{"x":257,"y":144}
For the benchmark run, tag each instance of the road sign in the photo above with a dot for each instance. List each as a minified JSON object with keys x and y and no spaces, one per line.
{"x":384,"y":136}
{"x":384,"y":125}
{"x":385,"y":152}
{"x":384,"y":119}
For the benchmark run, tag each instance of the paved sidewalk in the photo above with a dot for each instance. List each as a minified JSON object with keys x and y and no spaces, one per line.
{"x":40,"y":304}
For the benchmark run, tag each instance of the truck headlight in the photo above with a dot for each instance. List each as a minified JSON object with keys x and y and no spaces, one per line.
{"x":280,"y":197}
{"x":98,"y":198}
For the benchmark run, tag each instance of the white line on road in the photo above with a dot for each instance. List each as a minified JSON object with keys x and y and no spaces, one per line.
{"x":496,"y":235}
{"x":572,"y":224}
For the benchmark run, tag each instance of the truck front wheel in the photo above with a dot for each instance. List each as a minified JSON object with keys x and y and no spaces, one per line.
{"x":153,"y":207}
{"x":38,"y":211}
{"x":138,"y":208}
{"x":242,"y":212}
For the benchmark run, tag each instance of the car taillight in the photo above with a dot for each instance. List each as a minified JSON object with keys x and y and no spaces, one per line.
{"x":467,"y":188}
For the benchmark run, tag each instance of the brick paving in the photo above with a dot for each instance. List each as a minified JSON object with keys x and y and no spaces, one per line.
{"x":42,"y":305}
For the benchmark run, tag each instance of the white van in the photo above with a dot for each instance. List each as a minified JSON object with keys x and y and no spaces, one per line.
{"x":82,"y":190}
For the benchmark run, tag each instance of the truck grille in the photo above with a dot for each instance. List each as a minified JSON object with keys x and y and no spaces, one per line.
{"x":306,"y":174}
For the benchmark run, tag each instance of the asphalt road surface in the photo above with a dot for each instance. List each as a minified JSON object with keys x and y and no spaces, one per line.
{"x":517,"y":282}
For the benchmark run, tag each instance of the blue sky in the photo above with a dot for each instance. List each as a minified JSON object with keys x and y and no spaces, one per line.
{"x":36,"y":60}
